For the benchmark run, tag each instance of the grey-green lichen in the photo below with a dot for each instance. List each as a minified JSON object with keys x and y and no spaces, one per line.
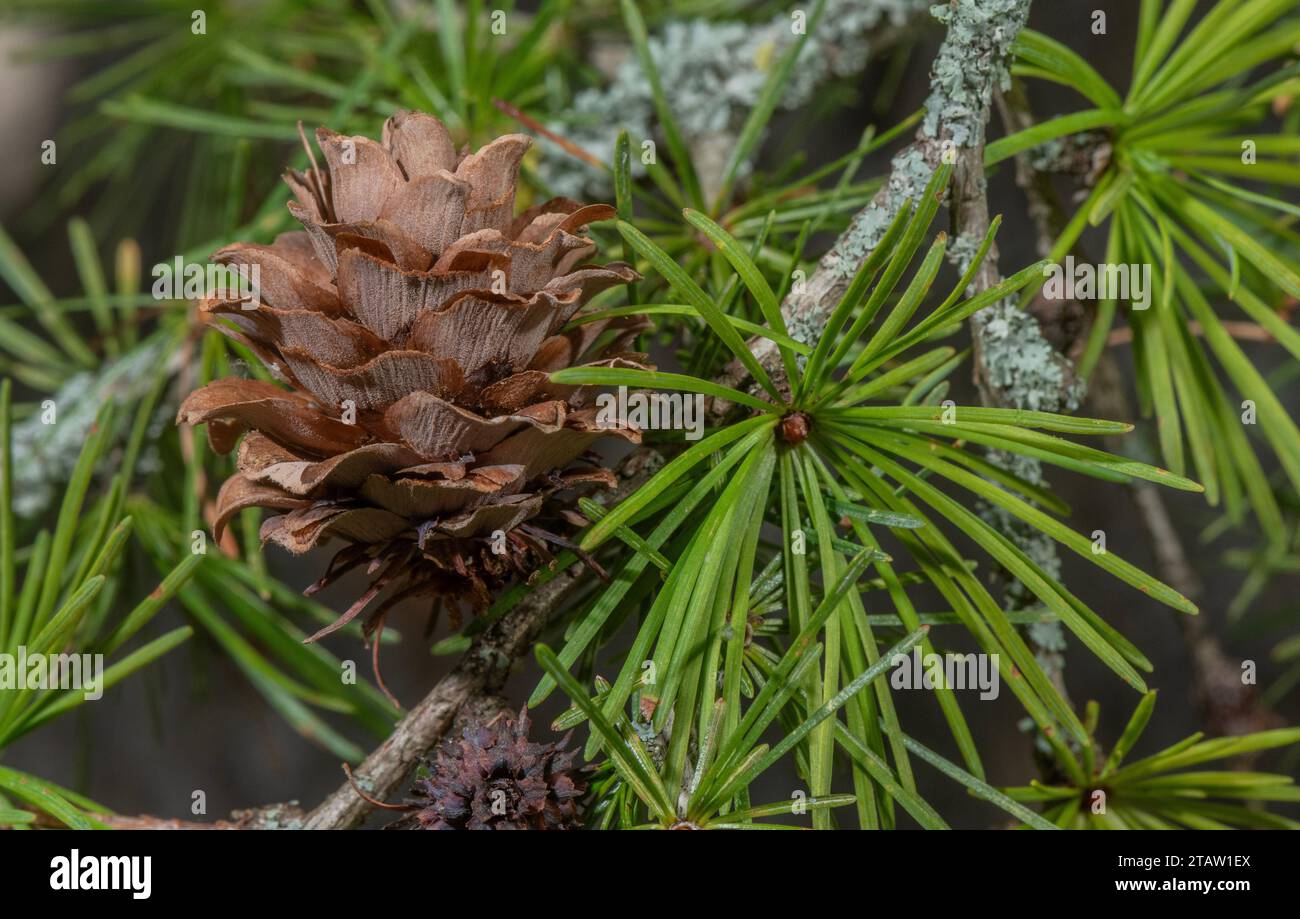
{"x":909,"y":173}
{"x":1020,"y":365}
{"x":1025,"y":372}
{"x":45,"y":454}
{"x":1047,"y":638}
{"x":714,"y":73}
{"x":286,"y":816}
{"x":1048,"y":641}
{"x":1029,"y":539}
{"x":962,"y":249}
{"x":971,"y":65}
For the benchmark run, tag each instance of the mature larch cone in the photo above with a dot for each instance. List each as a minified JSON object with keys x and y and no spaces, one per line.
{"x":494,"y":778}
{"x":414,"y":323}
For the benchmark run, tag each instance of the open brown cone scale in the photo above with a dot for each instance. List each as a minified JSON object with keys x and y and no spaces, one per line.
{"x":413,"y":324}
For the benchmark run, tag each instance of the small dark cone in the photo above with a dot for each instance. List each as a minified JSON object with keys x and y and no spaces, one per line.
{"x":494,"y":778}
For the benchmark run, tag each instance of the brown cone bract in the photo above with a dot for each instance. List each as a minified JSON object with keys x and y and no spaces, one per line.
{"x":412,"y":325}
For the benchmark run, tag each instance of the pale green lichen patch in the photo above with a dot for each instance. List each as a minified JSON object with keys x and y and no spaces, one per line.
{"x":971,"y":64}
{"x":969,"y":67}
{"x":1025,"y":372}
{"x":715,"y":72}
{"x":46,"y":444}
{"x":908,"y":176}
{"x":1020,"y":365}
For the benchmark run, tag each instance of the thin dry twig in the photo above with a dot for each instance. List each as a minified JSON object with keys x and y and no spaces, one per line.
{"x":534,"y":125}
{"x":1240,"y":330}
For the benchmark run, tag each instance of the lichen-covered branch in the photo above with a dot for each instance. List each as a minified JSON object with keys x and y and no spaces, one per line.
{"x":46,"y":446}
{"x":968,"y":70}
{"x":286,"y":816}
{"x":1015,"y":365}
